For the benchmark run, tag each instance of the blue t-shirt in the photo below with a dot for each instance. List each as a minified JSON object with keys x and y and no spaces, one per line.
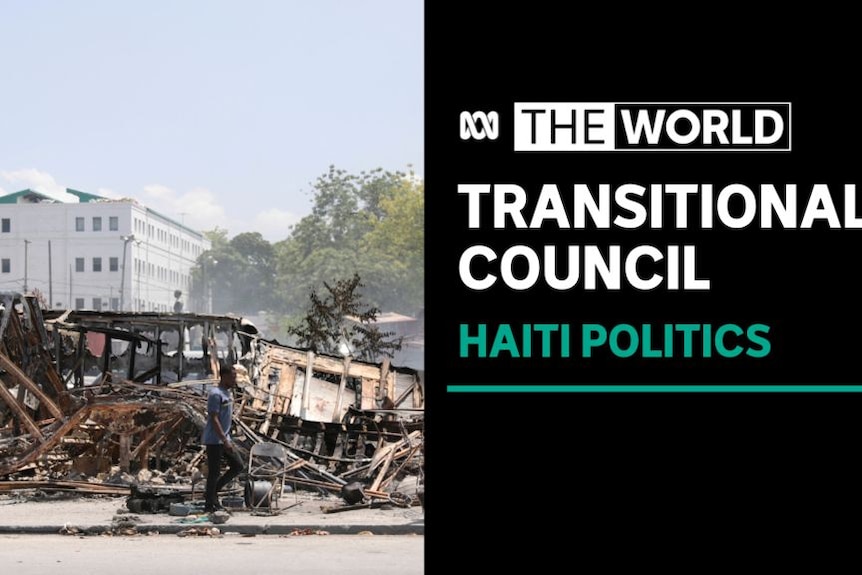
{"x":221,"y":402}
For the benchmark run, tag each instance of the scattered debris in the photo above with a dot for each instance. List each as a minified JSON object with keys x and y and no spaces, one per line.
{"x":114,"y":403}
{"x":200,"y":531}
{"x":67,"y":529}
{"x":307,"y":531}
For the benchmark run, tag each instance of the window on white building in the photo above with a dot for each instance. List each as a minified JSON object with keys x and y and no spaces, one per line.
{"x":97,"y":264}
{"x":79,"y":303}
{"x":5,"y":225}
{"x":97,"y":303}
{"x":79,"y":224}
{"x":79,"y":265}
{"x":5,"y":266}
{"x":97,"y":224}
{"x":114,"y":264}
{"x":115,"y":303}
{"x":113,"y":223}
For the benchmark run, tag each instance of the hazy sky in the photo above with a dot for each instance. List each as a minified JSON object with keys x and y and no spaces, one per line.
{"x":213,"y":112}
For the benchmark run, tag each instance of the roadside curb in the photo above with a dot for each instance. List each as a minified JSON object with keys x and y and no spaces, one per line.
{"x":224,"y":528}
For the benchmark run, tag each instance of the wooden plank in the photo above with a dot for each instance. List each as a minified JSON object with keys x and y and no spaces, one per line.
{"x":125,"y":451}
{"x":367,"y":400}
{"x":336,"y":411}
{"x":306,"y":385}
{"x":418,"y":394}
{"x":383,"y":469}
{"x":20,"y":412}
{"x":76,"y":486}
{"x":323,"y":364}
{"x":285,"y":388}
{"x":382,"y":378}
{"x":25,"y":382}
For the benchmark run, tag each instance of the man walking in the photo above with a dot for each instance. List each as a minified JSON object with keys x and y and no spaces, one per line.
{"x":216,"y":437}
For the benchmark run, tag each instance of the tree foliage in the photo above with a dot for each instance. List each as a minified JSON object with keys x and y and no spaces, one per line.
{"x":338,"y":322}
{"x":369,"y":224}
{"x":239,"y":273}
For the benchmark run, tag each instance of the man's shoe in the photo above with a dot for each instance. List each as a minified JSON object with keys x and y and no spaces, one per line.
{"x":220,"y":507}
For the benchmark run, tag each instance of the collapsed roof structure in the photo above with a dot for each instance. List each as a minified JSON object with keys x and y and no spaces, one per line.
{"x":85,"y":393}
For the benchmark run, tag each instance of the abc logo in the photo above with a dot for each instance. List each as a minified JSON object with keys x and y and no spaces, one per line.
{"x":479,"y":125}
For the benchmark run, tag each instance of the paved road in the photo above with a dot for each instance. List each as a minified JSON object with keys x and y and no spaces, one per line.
{"x":234,"y":554}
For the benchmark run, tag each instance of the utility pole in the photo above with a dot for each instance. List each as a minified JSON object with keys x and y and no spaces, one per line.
{"x":126,"y":240}
{"x":50,"y":280}
{"x":26,"y":258}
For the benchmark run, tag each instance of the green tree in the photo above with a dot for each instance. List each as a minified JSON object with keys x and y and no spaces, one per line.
{"x":352,"y":221}
{"x":338,"y":322}
{"x":398,"y":239}
{"x":238,"y":273}
{"x":253,"y":288}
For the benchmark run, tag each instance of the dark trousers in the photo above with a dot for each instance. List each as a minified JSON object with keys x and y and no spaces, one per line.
{"x":214,"y":482}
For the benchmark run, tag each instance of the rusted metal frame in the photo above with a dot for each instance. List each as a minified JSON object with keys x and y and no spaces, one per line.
{"x":74,"y":371}
{"x":133,"y":337}
{"x":158,"y":344}
{"x":107,"y":374}
{"x":133,"y":353}
{"x":26,"y":383}
{"x":58,"y":353}
{"x":20,"y":412}
{"x":149,"y":374}
{"x":181,"y":344}
{"x":79,"y":364}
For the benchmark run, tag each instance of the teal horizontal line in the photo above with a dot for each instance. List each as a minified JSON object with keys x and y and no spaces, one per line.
{"x":706,"y":388}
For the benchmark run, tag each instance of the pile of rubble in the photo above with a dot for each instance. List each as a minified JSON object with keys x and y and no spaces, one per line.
{"x":98,"y":401}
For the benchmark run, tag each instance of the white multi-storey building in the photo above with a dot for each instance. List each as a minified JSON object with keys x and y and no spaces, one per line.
{"x":97,"y":253}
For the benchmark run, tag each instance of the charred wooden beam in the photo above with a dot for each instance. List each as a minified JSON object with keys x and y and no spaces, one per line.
{"x":21,"y":378}
{"x":20,"y":412}
{"x":75,"y":486}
